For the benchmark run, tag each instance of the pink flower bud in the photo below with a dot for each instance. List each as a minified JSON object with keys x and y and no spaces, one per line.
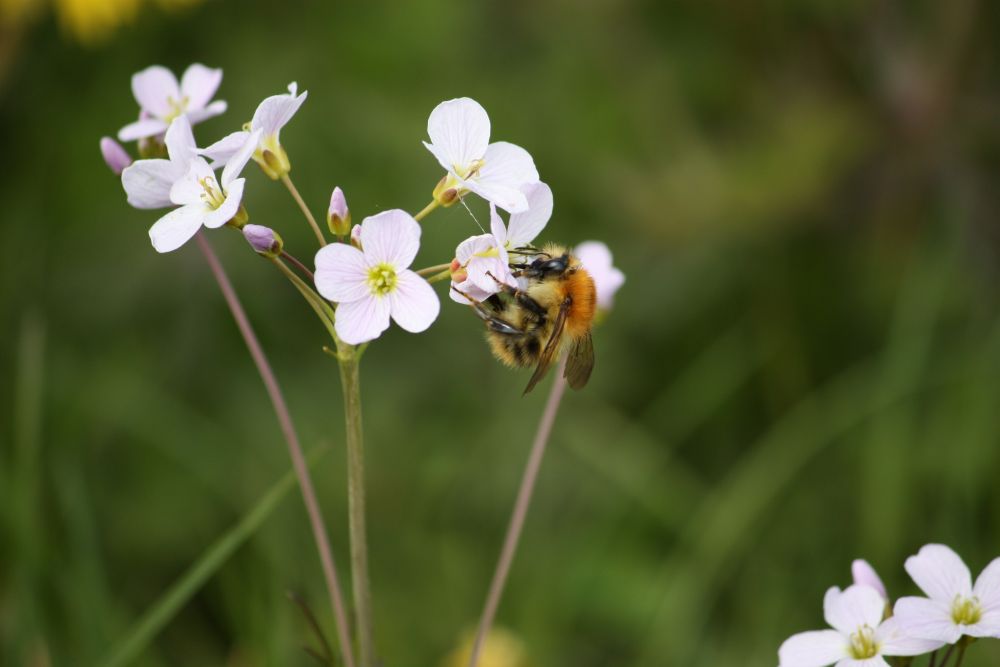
{"x":116,"y":157}
{"x":356,"y":236}
{"x":263,"y":239}
{"x":865,"y":575}
{"x":338,"y":218}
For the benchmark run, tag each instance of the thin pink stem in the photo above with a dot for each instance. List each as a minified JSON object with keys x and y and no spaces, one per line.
{"x":294,"y":449}
{"x":520,"y":511}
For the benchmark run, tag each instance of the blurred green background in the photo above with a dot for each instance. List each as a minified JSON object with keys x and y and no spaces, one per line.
{"x":803,"y":367}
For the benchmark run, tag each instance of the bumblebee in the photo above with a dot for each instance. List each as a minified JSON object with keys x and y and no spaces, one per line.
{"x":553,"y":305}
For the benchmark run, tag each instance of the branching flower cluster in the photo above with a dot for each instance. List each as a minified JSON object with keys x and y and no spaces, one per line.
{"x":537,"y":302}
{"x":869,"y":631}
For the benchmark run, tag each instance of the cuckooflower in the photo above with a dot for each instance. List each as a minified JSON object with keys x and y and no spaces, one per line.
{"x":953,"y":606}
{"x":162,"y":99}
{"x":596,"y":258}
{"x":459,"y":130}
{"x":263,"y":240}
{"x":203,"y":200}
{"x":147,"y":183}
{"x":865,"y":575}
{"x":859,"y":638}
{"x":116,"y":157}
{"x":338,"y":216}
{"x":374,"y":284}
{"x":271,"y":115}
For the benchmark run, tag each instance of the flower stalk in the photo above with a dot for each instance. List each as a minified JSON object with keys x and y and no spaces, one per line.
{"x":521,"y":505}
{"x":286,"y":179}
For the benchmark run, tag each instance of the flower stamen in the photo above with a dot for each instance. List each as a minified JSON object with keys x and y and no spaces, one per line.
{"x":382,"y":279}
{"x":212,"y":195}
{"x":863,"y":644}
{"x":966,"y":611}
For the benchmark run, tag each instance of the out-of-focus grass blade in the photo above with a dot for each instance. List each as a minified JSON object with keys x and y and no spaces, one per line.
{"x":162,"y":611}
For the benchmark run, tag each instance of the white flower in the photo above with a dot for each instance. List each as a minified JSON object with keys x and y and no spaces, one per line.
{"x":526,"y":225}
{"x":147,"y":183}
{"x":460,"y":133}
{"x":162,"y":99}
{"x":374,"y":284}
{"x":865,"y":575}
{"x":953,"y":606}
{"x":596,"y":259}
{"x":203,"y":200}
{"x":859,"y":637}
{"x":271,"y":115}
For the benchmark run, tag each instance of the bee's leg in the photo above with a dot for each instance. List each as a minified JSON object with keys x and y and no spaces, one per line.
{"x":520,"y":296}
{"x":492,"y":321}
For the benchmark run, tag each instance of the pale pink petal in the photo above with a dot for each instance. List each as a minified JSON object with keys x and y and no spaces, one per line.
{"x":893,"y":640}
{"x":509,"y":199}
{"x":414,"y":304}
{"x":926,"y":619}
{"x":987,"y":587}
{"x":140,"y":129}
{"x":341,"y":273}
{"x":225,"y":213}
{"x":239,"y":160}
{"x":179,"y":140}
{"x":875,"y":661}
{"x":225,"y":148}
{"x":362,"y":320}
{"x":392,"y":237}
{"x":506,"y":169}
{"x":177,"y":227}
{"x":147,"y":183}
{"x":816,"y":648}
{"x":198,"y":85}
{"x":190,"y":188}
{"x":216,"y":108}
{"x":154,"y":88}
{"x":469,"y":288}
{"x":274,"y":113}
{"x":988,"y":626}
{"x":460,"y":131}
{"x":116,"y":157}
{"x":940,"y":573}
{"x":525,"y":226}
{"x":468,"y":248}
{"x":848,"y":610}
{"x":497,"y":228}
{"x":480,"y":270}
{"x":595,"y":257}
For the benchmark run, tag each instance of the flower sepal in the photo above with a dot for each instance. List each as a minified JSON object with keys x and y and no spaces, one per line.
{"x":273,"y":160}
{"x":240,"y":220}
{"x":447,"y":191}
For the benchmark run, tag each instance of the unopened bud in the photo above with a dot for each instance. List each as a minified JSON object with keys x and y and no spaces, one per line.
{"x":446,"y":191}
{"x":263,"y":239}
{"x":458,"y":272}
{"x":338,"y":217}
{"x":241,"y":218}
{"x":356,"y":236}
{"x":116,"y":157}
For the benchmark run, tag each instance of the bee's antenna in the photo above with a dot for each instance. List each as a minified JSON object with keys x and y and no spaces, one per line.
{"x":473,"y":215}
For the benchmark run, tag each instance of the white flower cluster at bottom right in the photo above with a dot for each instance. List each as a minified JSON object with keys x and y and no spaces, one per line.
{"x":867,"y":628}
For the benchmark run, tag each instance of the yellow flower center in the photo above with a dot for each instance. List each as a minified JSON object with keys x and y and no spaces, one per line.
{"x":177,"y":107}
{"x":863,"y":644}
{"x":489,"y":252}
{"x":381,"y":279}
{"x":213,"y":194}
{"x":470,"y":170}
{"x":966,"y":611}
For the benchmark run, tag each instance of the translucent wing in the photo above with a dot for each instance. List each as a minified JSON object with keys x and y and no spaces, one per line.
{"x":551,"y":347}
{"x":580,"y":362}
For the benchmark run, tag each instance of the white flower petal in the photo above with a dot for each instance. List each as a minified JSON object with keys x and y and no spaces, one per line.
{"x":497,"y":228}
{"x":525,"y":226}
{"x":224,"y":149}
{"x":274,"y":113}
{"x":179,"y":140}
{"x":480,"y":270}
{"x":987,"y":587}
{"x":225,"y":213}
{"x":146,"y":127}
{"x":234,"y":166}
{"x":509,"y":199}
{"x":190,"y":188}
{"x":848,"y":610}
{"x":468,"y":248}
{"x":216,"y":108}
{"x":506,"y":169}
{"x":147,"y":183}
{"x":940,"y":573}
{"x":341,"y":273}
{"x":177,"y":227}
{"x":595,"y":257}
{"x":362,"y":320}
{"x":876,"y":661}
{"x":392,"y":237}
{"x":893,"y":640}
{"x":460,"y":131}
{"x":198,"y":85}
{"x":414,"y":304}
{"x":926,"y":619}
{"x":154,"y":88}
{"x":816,"y":648}
{"x":988,"y":625}
{"x":469,"y":288}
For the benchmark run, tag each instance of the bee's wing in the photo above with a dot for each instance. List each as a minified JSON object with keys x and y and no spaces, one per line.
{"x":580,"y":362}
{"x":551,"y":347}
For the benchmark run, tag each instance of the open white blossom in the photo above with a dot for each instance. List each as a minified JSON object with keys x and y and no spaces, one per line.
{"x":459,"y":130}
{"x":596,"y":259}
{"x":147,"y":183}
{"x":162,"y":99}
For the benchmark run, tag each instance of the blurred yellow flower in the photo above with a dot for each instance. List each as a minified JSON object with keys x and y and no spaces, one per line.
{"x":502,"y":649}
{"x":88,"y":21}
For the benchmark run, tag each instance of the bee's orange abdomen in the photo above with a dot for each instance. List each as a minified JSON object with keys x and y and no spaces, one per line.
{"x":580,"y":287}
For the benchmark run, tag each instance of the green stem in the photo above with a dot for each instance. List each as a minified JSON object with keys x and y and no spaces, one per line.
{"x":350,"y":381}
{"x":305,"y":209}
{"x":444,"y":275}
{"x":437,"y":268}
{"x":426,"y":209}
{"x":318,"y":303}
{"x":961,"y":655}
